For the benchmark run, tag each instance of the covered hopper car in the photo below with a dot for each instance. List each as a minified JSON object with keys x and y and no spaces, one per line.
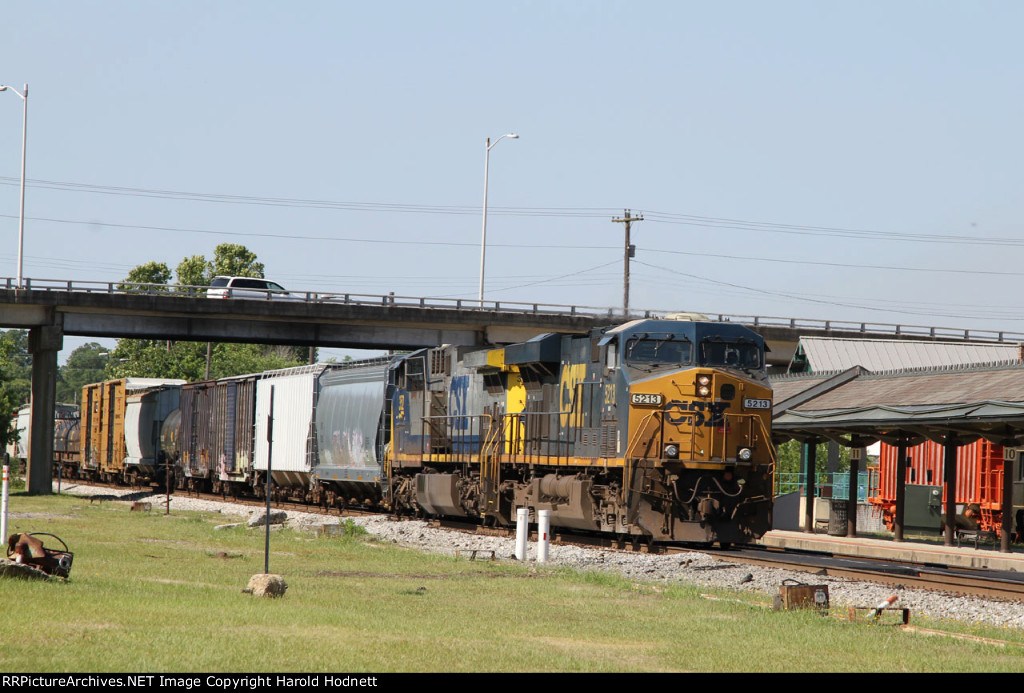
{"x":66,"y":449}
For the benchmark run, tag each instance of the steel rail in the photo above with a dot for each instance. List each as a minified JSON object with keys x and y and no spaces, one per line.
{"x":889,"y":572}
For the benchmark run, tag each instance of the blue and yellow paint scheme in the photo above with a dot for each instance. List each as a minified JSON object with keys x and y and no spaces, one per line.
{"x":657,"y":429}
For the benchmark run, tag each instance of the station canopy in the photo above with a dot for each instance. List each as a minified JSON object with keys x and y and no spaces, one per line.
{"x":834,"y":354}
{"x":856,"y":408}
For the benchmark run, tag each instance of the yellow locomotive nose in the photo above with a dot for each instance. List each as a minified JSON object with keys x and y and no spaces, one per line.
{"x":699,"y":417}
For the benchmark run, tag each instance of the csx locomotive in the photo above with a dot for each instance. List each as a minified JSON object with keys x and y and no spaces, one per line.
{"x":655,"y":430}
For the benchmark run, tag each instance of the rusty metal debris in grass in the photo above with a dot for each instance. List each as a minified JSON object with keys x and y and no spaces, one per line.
{"x":885,"y":614}
{"x":798,"y":595}
{"x":26,"y":551}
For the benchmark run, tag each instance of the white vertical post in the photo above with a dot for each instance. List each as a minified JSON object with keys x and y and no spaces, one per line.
{"x":3,"y":510}
{"x":483,"y":234}
{"x":522,"y":531}
{"x":543,"y":535}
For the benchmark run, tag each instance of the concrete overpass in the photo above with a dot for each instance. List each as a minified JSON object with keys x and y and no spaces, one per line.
{"x":111,"y":309}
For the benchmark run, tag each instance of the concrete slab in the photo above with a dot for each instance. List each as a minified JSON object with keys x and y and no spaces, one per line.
{"x":985,"y":556}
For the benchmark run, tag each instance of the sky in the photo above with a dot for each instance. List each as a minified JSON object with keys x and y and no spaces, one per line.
{"x":850,"y":161}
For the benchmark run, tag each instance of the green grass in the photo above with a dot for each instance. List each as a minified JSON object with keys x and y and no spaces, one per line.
{"x":150,"y":592}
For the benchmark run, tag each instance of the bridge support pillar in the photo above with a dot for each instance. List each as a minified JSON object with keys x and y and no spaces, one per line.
{"x":43,"y":343}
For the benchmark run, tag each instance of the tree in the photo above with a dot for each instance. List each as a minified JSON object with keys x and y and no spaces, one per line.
{"x":194,"y":271}
{"x":86,"y":364}
{"x":234,"y":260}
{"x":229,"y":259}
{"x":15,"y":380}
{"x":135,"y":358}
{"x":144,"y":358}
{"x":149,"y":273}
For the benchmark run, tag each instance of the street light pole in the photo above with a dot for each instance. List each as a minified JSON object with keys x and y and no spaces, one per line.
{"x":483,"y":236}
{"x":24,"y":139}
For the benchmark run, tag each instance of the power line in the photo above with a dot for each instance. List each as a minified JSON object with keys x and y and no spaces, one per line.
{"x":290,"y":236}
{"x":843,"y":265}
{"x":573,"y":212}
{"x":831,"y":231}
{"x":822,"y":301}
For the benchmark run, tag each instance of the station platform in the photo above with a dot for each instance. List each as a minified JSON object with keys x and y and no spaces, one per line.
{"x":985,"y":556}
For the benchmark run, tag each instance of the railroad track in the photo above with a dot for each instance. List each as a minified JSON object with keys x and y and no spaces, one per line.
{"x":972,"y":582}
{"x":275,"y":504}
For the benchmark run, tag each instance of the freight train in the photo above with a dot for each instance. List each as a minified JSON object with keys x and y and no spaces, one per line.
{"x":66,"y":443}
{"x":655,"y":430}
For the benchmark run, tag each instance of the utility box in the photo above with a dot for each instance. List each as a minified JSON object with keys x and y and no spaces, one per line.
{"x":795,"y":595}
{"x":923,"y":508}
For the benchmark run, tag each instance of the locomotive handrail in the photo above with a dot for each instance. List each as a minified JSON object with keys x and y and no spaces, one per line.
{"x":527,"y":419}
{"x":532,"y":308}
{"x":748,"y":418}
{"x":630,"y":449}
{"x":767,"y":439}
{"x":462,"y":440}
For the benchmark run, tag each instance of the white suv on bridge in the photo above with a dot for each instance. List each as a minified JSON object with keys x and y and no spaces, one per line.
{"x":246,"y":287}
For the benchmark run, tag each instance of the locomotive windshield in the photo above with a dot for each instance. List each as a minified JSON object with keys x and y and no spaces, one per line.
{"x":669,"y":348}
{"x":739,"y":354}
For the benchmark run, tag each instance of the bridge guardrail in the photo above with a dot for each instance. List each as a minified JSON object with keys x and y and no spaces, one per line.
{"x":867,"y":328}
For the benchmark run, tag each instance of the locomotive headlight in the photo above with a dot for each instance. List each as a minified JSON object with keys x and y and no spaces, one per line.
{"x":671,"y":452}
{"x":703,"y":385}
{"x":745,"y":454}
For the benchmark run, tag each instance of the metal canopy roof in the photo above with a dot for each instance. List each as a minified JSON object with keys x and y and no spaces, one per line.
{"x":856,"y":408}
{"x":818,"y":354}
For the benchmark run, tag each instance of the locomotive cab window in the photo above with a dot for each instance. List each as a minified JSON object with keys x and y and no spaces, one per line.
{"x":735,"y":354}
{"x":414,"y":378}
{"x":672,"y":349}
{"x":612,"y":356}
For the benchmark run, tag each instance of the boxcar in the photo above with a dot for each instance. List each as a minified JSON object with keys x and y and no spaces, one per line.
{"x":213,"y":443}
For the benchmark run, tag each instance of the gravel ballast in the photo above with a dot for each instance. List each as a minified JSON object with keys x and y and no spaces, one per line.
{"x":699,"y":569}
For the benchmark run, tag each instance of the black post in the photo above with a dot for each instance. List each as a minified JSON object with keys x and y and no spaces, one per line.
{"x":1007,"y":500}
{"x":851,"y":504}
{"x":901,"y":486}
{"x":812,"y":455}
{"x":167,"y":481}
{"x":949,"y":449}
{"x":270,"y":457}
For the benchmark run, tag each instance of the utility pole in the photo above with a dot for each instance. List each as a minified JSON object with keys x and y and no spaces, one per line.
{"x":629,"y":252}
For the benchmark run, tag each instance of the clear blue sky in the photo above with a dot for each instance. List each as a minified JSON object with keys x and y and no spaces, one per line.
{"x":343,"y":142}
